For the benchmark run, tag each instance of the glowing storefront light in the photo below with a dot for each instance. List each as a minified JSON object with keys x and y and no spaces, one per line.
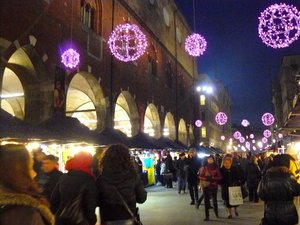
{"x":195,"y":45}
{"x":127,"y":42}
{"x":279,"y":25}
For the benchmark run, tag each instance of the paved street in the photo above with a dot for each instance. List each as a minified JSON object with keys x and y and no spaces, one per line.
{"x":167,"y":207}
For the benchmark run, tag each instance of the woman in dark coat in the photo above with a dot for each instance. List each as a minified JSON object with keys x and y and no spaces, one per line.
{"x":79,"y":178}
{"x":117,"y":174}
{"x":278,"y":189}
{"x":253,"y":176}
{"x":210,"y":172}
{"x":20,"y":199}
{"x":231,"y":176}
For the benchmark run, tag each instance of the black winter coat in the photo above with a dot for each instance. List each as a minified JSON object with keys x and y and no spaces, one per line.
{"x":253,"y":175}
{"x":68,"y":188}
{"x":278,"y":189}
{"x":129,"y":185}
{"x":194,"y":165}
{"x":52,"y":179}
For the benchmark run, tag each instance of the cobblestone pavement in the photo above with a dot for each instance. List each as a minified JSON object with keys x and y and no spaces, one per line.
{"x":167,"y":207}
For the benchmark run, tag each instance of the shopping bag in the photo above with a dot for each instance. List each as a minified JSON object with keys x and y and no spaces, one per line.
{"x":235,"y":195}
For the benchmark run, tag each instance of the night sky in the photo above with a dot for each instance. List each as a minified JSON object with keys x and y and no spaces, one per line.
{"x":235,"y":52}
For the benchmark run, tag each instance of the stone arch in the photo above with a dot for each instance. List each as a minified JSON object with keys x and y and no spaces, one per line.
{"x":169,"y":127}
{"x":152,"y":121}
{"x":24,"y":74}
{"x":85,"y":100}
{"x":126,"y":116}
{"x":182,"y":131}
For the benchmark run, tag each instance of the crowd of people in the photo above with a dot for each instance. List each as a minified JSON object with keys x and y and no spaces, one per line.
{"x":273,"y":179}
{"x":34,"y":192}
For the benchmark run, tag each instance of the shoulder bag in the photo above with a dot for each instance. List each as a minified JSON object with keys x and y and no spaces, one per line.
{"x":133,"y":221}
{"x":73,"y":213}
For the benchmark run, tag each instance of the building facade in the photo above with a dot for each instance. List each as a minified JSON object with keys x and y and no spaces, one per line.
{"x":154,"y":94}
{"x":213,"y":98}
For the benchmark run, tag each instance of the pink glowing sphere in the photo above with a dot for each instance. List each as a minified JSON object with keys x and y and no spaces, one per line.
{"x":195,"y":45}
{"x":267,"y":133}
{"x":279,"y":25}
{"x":251,"y":136}
{"x":242,"y":139}
{"x":70,"y":58}
{"x":127,"y":42}
{"x":245,"y":123}
{"x":247,"y":144}
{"x":198,"y":123}
{"x":221,"y":118}
{"x":223,"y":138}
{"x":280,"y":135}
{"x":237,"y":135}
{"x":267,"y":119}
{"x":264,"y":140}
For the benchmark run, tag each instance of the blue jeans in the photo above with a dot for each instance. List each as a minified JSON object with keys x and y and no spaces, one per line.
{"x":181,"y":184}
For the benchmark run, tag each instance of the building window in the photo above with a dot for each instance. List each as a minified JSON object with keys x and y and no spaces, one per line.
{"x":203,"y":132}
{"x":87,"y":15}
{"x":202,"y":99}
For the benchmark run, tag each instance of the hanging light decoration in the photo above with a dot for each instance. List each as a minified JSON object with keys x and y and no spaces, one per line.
{"x":267,"y":119}
{"x":223,"y":138}
{"x":195,"y":44}
{"x":237,"y":135}
{"x":127,"y":42}
{"x":267,"y":133}
{"x":198,"y":123}
{"x":221,"y":118}
{"x":251,"y":136}
{"x":279,"y":25}
{"x":245,"y":123}
{"x":242,"y":139}
{"x":70,"y":58}
{"x":248,"y":145}
{"x":280,"y":135}
{"x":264,"y":140}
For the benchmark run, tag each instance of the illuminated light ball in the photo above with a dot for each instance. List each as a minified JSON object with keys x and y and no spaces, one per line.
{"x":267,"y":133}
{"x":223,"y":138}
{"x":254,"y":148}
{"x":221,"y":118}
{"x":237,"y":135}
{"x":127,"y":42}
{"x":279,"y":25}
{"x":245,"y":123}
{"x":264,"y":140}
{"x":247,"y":144}
{"x":70,"y":58}
{"x":195,"y":45}
{"x":251,"y":136}
{"x":280,"y":135}
{"x":242,"y":139}
{"x":267,"y":119}
{"x":198,"y":123}
{"x":253,"y":141}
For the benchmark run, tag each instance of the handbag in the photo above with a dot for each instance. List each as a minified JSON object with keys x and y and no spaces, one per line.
{"x":235,"y":195}
{"x":72,"y":213}
{"x":135,"y":220}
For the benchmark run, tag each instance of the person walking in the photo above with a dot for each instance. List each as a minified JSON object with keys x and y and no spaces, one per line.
{"x":79,"y":182}
{"x":118,"y":182}
{"x":253,"y":176}
{"x":210,"y":173}
{"x":20,"y":199}
{"x":194,"y":164}
{"x":52,"y":175}
{"x":231,"y":176}
{"x":278,"y":189}
{"x":181,"y":173}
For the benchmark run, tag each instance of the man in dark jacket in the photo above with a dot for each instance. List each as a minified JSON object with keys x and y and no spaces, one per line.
{"x":52,"y":175}
{"x":194,"y":165}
